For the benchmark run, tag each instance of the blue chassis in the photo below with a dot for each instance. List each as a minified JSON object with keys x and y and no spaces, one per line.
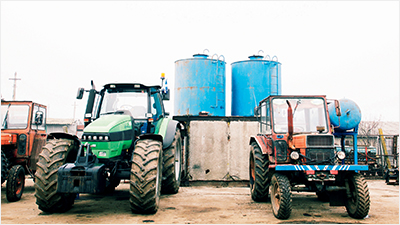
{"x":321,"y":167}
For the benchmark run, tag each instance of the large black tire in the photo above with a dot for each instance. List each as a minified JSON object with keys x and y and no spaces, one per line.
{"x":172,"y":166}
{"x":323,"y":196}
{"x":15,"y":183}
{"x":358,"y":205}
{"x":54,"y":154}
{"x":281,"y":196}
{"x":4,"y":167}
{"x":146,"y":175}
{"x":259,"y":181}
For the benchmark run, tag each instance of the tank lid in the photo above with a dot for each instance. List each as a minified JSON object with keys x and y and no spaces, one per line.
{"x":255,"y":57}
{"x":203,"y":56}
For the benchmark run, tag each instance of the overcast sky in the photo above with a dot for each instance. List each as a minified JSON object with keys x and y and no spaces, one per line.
{"x":339,"y":49}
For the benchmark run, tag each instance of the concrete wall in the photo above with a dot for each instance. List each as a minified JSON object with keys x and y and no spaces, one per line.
{"x":219,"y":149}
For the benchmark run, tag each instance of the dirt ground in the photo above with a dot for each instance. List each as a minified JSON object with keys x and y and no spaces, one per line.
{"x":200,"y":205}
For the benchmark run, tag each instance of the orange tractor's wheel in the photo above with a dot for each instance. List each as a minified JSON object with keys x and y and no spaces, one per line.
{"x":259,"y":180}
{"x":15,"y":183}
{"x":359,"y":203}
{"x":4,"y":167}
{"x":281,"y":196}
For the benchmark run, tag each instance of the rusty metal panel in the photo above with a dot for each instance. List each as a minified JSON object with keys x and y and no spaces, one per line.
{"x":208,"y":150}
{"x":239,"y":148}
{"x":219,"y":149}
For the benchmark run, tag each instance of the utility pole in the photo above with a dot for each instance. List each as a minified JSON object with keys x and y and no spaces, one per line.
{"x":15,"y":84}
{"x":74,"y":109}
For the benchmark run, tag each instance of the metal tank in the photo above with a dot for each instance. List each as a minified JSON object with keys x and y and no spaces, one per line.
{"x":350,"y":118}
{"x":200,"y":85}
{"x":252,"y":81}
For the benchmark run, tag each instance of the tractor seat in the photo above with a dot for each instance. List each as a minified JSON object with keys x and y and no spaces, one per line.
{"x":138,"y":111}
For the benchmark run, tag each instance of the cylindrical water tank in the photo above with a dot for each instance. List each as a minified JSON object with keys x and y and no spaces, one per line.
{"x":350,"y":118}
{"x":252,"y":81}
{"x":200,"y":85}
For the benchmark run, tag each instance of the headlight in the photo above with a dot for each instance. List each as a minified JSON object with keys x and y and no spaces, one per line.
{"x":294,"y":155}
{"x":341,"y":155}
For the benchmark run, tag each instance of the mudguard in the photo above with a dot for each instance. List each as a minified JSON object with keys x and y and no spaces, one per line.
{"x":262,"y":143}
{"x":170,"y":133}
{"x":156,"y":137}
{"x":60,"y":135}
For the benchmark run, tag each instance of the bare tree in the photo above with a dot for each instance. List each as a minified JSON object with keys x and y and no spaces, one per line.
{"x":367,"y":129}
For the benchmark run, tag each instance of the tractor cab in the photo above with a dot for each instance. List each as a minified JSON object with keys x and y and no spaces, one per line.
{"x":298,"y":127}
{"x":295,"y":151}
{"x":23,"y":133}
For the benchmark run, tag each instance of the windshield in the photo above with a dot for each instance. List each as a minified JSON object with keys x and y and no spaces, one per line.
{"x":308,"y":114}
{"x":134,"y":103}
{"x":14,"y":116}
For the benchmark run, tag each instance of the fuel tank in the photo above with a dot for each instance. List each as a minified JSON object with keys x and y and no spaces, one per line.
{"x":350,"y":118}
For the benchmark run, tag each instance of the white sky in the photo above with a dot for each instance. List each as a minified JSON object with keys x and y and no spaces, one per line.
{"x":339,"y":49}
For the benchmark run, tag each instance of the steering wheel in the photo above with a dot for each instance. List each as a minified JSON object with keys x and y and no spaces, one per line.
{"x":127,"y":107}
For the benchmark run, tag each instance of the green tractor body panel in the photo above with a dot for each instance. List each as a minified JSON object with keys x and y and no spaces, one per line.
{"x":109,"y":135}
{"x":161,"y":127}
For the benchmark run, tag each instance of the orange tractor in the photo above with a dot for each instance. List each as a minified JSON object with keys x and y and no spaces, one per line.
{"x":23,"y":133}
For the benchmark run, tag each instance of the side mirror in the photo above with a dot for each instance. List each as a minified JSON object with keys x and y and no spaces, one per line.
{"x":38,"y":118}
{"x":257,"y":111}
{"x":79,"y":95}
{"x":165,"y":96}
{"x":337,"y":108}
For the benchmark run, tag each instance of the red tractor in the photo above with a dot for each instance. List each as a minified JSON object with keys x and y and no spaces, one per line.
{"x":23,"y":133}
{"x":295,"y":151}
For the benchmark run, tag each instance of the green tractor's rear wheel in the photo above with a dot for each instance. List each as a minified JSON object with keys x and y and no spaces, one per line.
{"x":15,"y":183}
{"x":281,"y":196}
{"x":54,"y":154}
{"x":259,"y":181}
{"x":358,"y":204}
{"x":146,"y":175}
{"x":172,"y":166}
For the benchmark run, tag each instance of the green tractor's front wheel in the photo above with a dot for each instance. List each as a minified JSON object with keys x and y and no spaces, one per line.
{"x":172,"y":166}
{"x":146,"y":175}
{"x":54,"y":154}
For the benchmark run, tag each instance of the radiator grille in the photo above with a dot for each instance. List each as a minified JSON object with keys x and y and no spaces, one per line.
{"x":317,"y":156}
{"x":320,"y":140}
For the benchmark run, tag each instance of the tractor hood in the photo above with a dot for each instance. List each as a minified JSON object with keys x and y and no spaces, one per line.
{"x":109,"y":123}
{"x":109,"y":135}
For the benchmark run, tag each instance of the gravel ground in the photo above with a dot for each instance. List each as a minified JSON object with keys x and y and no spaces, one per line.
{"x":200,"y":205}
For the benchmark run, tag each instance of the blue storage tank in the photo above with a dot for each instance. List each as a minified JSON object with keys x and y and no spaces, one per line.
{"x":200,"y":85}
{"x":252,"y":81}
{"x":350,"y":118}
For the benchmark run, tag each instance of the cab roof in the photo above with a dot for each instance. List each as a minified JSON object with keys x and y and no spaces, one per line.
{"x":130,"y":86}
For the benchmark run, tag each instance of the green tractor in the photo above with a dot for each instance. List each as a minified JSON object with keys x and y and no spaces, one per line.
{"x":127,"y":136}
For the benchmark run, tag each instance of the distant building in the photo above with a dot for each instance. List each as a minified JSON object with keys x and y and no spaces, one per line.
{"x":70,"y":126}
